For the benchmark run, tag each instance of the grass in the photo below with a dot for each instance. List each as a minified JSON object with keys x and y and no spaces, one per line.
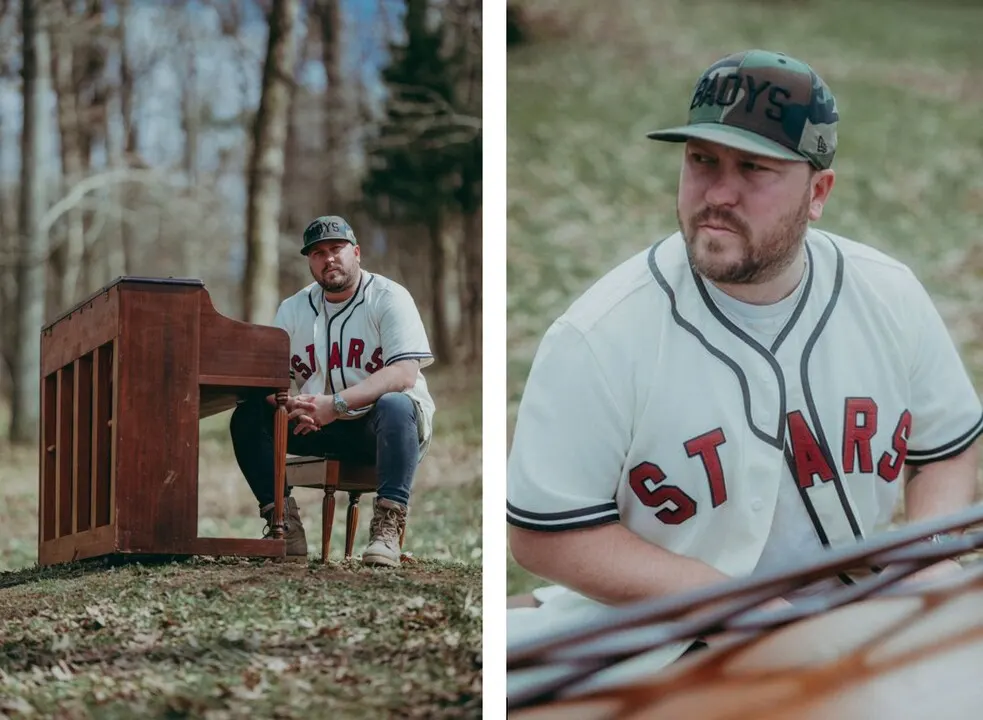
{"x":229,"y":637}
{"x":586,"y":189}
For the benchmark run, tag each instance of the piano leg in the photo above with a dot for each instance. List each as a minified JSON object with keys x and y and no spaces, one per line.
{"x":280,"y":455}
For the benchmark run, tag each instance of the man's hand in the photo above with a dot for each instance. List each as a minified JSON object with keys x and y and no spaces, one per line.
{"x":312,"y":412}
{"x":305,"y":420}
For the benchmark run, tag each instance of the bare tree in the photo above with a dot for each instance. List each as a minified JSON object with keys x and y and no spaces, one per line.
{"x":67,"y":260}
{"x":335,"y":98}
{"x":464,"y":22}
{"x":31,"y":269}
{"x":190,"y":124}
{"x":260,"y":291}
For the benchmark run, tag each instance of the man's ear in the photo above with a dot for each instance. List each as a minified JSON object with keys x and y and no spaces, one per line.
{"x":822,"y":185}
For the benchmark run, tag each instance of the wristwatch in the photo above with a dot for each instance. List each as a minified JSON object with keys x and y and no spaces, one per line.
{"x":340,"y":406}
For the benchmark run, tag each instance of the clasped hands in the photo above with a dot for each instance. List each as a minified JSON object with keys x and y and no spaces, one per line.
{"x":312,"y":412}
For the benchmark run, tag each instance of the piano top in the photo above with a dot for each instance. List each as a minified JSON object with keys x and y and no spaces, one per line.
{"x":118,"y":281}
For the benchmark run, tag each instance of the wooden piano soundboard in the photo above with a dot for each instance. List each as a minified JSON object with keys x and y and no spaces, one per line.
{"x":126,"y":376}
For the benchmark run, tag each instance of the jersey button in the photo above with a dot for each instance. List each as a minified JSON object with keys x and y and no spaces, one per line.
{"x":757,"y":504}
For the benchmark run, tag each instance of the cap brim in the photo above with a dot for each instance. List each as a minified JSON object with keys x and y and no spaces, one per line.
{"x":307,"y":248}
{"x":730,"y":136}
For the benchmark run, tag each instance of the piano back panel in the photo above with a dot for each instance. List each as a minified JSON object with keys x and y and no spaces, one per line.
{"x":103,"y":440}
{"x":77,"y":367}
{"x":156,"y":488}
{"x":82,"y":423}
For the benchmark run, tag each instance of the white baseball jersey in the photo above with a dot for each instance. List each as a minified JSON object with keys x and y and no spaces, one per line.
{"x":334,"y":346}
{"x":647,"y":405}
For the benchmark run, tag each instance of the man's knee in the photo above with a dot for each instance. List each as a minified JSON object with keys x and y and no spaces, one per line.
{"x":247,"y":418}
{"x":396,"y":407}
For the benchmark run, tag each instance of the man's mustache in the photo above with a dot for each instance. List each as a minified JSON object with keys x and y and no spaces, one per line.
{"x":723,"y":218}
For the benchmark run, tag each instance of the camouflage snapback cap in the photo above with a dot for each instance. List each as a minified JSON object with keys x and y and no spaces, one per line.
{"x":765,"y":103}
{"x":327,"y":227}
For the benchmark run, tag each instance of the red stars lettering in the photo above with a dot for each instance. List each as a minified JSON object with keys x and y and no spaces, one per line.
{"x":646,"y":481}
{"x":645,"y":478}
{"x":334,"y":359}
{"x":809,"y":458}
{"x":298,"y":366}
{"x":352,"y":359}
{"x":887,"y":469}
{"x":355,"y":348}
{"x":675,"y":505}
{"x":706,"y":447}
{"x":376,"y":363}
{"x":857,"y":436}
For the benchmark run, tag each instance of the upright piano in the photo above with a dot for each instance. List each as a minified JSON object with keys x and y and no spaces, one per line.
{"x":126,"y":377}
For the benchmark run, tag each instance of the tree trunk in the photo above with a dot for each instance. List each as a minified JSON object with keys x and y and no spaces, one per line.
{"x":189,"y":124}
{"x":335,"y":105}
{"x":31,"y":266}
{"x":68,"y":258}
{"x":472,"y":262}
{"x":8,"y":284}
{"x":443,"y":347}
{"x":260,"y":291}
{"x":127,"y":239}
{"x":120,"y":260}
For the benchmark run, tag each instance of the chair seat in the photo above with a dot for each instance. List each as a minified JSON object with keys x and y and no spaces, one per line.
{"x":312,"y":471}
{"x":332,"y":473}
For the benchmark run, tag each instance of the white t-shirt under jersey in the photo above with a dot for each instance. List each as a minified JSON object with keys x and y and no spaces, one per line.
{"x":792,"y":540}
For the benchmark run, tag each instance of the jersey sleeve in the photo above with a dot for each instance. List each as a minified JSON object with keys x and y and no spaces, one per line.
{"x":280,"y":320}
{"x":401,"y":328}
{"x":946,"y":413}
{"x":570,"y":441}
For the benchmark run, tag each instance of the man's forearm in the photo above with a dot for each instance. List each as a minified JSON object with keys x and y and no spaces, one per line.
{"x":609,"y":564}
{"x":941,"y":488}
{"x":397,"y":377}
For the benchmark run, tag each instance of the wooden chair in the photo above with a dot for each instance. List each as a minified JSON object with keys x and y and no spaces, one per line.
{"x":333,"y":474}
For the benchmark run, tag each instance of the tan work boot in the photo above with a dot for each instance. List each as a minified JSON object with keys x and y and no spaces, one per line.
{"x":293,"y":529}
{"x":387,"y":525}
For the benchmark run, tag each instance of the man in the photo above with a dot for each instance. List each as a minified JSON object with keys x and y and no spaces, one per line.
{"x":744,"y":392}
{"x":358,"y":347}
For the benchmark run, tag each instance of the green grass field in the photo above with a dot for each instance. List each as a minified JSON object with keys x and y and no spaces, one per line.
{"x":230,"y":638}
{"x":587,"y":189}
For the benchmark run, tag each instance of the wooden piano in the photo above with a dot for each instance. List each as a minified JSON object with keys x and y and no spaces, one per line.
{"x":126,"y":376}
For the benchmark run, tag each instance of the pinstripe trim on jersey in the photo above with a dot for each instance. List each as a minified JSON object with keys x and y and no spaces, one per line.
{"x":824,"y":447}
{"x":310,"y":300}
{"x":327,"y":333}
{"x":602,"y":514}
{"x":949,"y":449}
{"x":408,"y":356}
{"x":811,"y":402}
{"x":777,"y":440}
{"x":341,"y":333}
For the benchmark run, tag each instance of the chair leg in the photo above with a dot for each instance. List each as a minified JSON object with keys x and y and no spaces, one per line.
{"x":352,"y":522}
{"x":327,"y":521}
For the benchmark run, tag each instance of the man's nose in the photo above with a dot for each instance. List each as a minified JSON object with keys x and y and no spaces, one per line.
{"x":723,"y":189}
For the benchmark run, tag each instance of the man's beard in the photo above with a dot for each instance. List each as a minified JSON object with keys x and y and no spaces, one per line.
{"x":760,"y":261}
{"x":348,"y":279}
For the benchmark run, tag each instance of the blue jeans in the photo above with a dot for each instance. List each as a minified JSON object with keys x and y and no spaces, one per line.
{"x":386,"y":435}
